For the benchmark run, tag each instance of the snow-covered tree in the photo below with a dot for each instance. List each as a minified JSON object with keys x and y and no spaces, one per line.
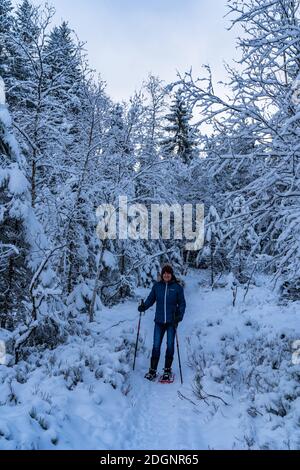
{"x":29,"y":293}
{"x":211,"y":255}
{"x":76,"y":204}
{"x":23,"y":38}
{"x":261,"y":93}
{"x":14,"y":248}
{"x":180,"y":140}
{"x":64,"y":67}
{"x":6,"y":22}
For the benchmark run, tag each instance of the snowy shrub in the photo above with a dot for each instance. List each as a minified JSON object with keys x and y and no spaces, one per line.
{"x":49,"y":333}
{"x":260,"y":367}
{"x":290,"y":290}
{"x":79,"y":300}
{"x":72,"y":375}
{"x":92,"y":367}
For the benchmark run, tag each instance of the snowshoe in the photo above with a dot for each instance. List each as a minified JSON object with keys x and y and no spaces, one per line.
{"x":151,"y":375}
{"x":167,"y":377}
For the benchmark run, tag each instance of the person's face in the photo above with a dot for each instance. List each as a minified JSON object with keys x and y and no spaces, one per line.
{"x":167,"y":277}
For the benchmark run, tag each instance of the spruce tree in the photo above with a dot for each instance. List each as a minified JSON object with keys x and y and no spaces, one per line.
{"x":64,"y":68}
{"x":23,"y":40}
{"x":180,"y":137}
{"x":6,"y":22}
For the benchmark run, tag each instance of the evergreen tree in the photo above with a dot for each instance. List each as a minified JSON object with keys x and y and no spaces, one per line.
{"x":64,"y":67}
{"x":6,"y":22}
{"x":26,"y":22}
{"x":23,"y":40}
{"x":181,"y":138}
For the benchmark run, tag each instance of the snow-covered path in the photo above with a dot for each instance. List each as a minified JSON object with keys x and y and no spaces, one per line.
{"x":159,"y":418}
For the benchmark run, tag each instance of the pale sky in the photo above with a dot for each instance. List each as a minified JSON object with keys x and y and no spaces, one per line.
{"x":128,"y":39}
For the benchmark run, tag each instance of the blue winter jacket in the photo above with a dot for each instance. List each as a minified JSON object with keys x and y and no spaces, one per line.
{"x":170,"y":301}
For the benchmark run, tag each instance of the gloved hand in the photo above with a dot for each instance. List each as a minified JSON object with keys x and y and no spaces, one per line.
{"x":142,"y":308}
{"x":177,"y":319}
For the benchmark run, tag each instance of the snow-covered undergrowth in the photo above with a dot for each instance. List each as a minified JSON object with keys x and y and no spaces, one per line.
{"x":67,"y":398}
{"x":243,"y":355}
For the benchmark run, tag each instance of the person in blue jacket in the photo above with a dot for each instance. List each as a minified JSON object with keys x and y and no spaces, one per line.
{"x":170,"y":308}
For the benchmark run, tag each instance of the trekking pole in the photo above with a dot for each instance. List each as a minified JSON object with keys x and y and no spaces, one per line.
{"x":138,"y":334}
{"x":177,"y":343}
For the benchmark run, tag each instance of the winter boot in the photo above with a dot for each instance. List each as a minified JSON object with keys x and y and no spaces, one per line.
{"x":167,"y":375}
{"x":151,"y":375}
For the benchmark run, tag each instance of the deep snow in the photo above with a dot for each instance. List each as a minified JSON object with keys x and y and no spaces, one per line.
{"x":84,"y":394}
